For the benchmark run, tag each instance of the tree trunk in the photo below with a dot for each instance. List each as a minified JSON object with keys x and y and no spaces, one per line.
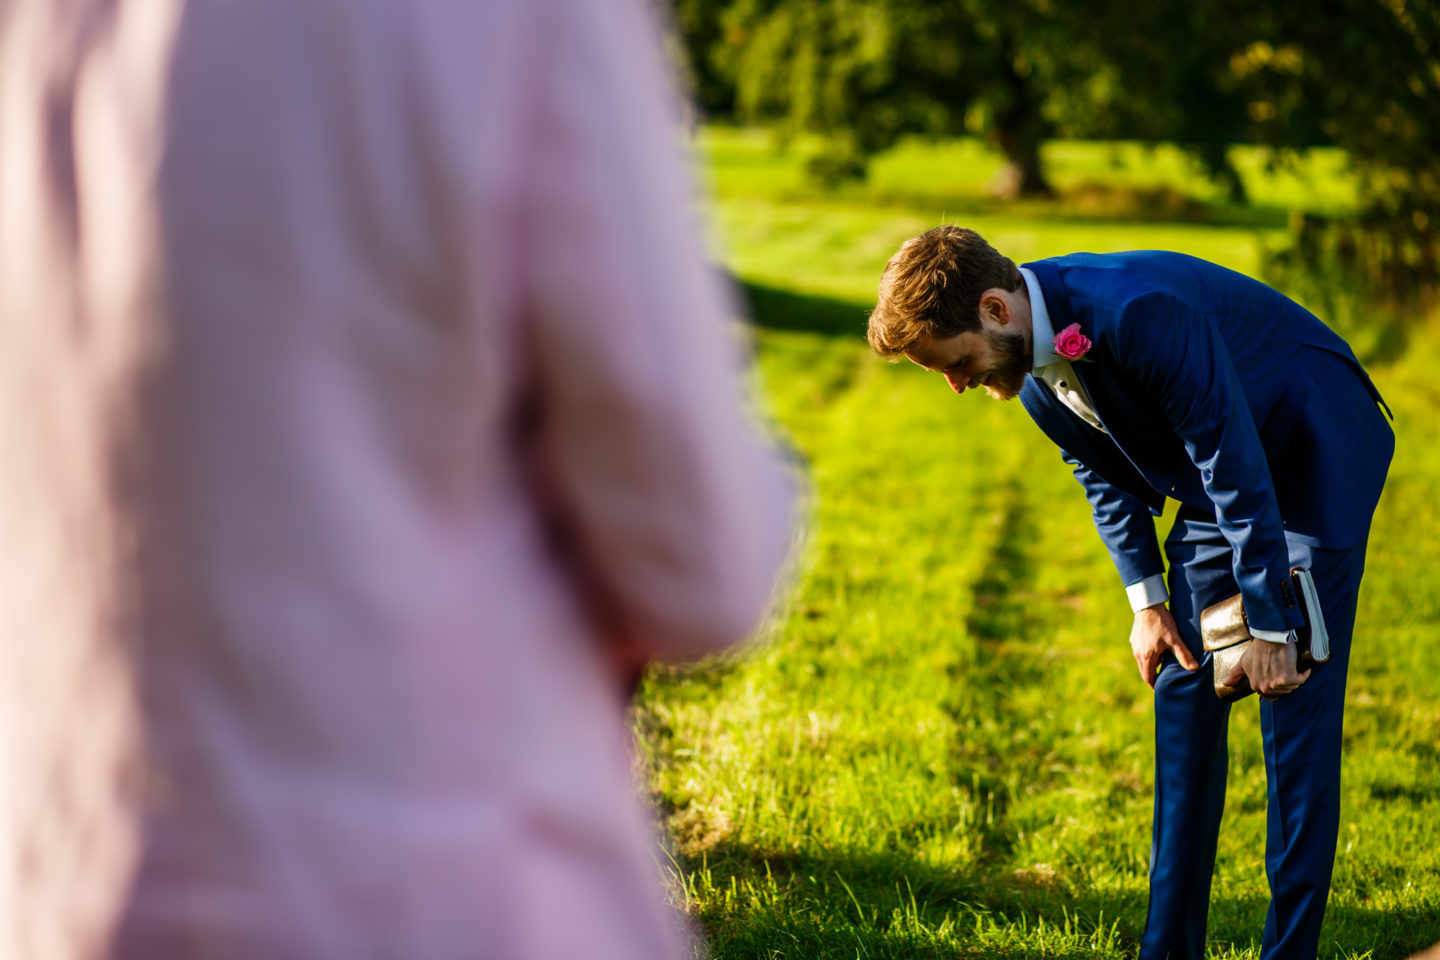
{"x":1217,"y":163}
{"x":1023,"y":174}
{"x":1019,"y":130}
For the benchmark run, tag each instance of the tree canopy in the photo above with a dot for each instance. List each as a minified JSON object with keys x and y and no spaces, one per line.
{"x":1360,"y":74}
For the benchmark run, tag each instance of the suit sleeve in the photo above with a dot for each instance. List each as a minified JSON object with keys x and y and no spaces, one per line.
{"x":1124,"y":523}
{"x":678,"y":515}
{"x":1180,"y":360}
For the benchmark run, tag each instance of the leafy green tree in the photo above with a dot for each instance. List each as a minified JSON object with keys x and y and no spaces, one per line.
{"x":700,"y":25}
{"x":1363,"y":75}
{"x":865,"y":72}
{"x":1155,"y":72}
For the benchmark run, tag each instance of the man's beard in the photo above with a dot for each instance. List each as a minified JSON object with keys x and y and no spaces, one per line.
{"x":1012,"y":361}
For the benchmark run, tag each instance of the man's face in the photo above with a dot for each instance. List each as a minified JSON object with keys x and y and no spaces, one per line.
{"x":991,"y":357}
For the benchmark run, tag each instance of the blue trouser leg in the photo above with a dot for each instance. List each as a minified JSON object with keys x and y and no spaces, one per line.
{"x":1190,"y":753}
{"x":1302,"y":735}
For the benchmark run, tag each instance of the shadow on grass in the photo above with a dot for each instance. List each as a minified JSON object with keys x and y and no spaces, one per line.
{"x":983,"y":766}
{"x":777,"y":309}
{"x":889,"y":905}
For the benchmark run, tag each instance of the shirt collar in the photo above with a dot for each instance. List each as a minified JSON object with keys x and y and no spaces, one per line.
{"x":1041,"y":332}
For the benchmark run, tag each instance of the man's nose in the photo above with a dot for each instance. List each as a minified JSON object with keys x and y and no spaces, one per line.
{"x":958,"y":381}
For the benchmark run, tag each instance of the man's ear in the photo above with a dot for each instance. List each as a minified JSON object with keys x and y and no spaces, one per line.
{"x":994,"y":306}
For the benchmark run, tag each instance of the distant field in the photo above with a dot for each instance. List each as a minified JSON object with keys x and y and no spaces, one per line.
{"x":940,"y":749}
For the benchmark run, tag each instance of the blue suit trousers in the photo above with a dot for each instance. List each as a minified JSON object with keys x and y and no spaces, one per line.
{"x":1302,"y":738}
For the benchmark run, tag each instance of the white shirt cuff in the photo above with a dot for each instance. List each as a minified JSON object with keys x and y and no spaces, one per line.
{"x":1274,"y":636}
{"x":1147,"y":592}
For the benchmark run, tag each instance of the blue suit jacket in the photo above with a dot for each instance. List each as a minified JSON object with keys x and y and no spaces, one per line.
{"x":1222,"y":394}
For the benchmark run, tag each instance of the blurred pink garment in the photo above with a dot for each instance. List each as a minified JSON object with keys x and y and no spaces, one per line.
{"x":362,"y":387}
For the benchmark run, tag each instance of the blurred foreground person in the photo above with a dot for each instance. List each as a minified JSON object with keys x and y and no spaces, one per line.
{"x":368,"y":416}
{"x":1160,"y":375}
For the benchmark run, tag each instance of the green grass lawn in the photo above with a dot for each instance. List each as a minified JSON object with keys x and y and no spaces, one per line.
{"x":940,"y":747}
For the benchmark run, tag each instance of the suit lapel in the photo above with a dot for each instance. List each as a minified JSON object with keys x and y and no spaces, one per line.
{"x":1062,"y":315}
{"x":1129,"y":428}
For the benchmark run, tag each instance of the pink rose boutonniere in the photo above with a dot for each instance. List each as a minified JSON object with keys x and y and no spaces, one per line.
{"x":1071,"y":344}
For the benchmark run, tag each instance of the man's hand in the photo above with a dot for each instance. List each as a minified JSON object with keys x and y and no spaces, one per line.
{"x":1270,"y":668}
{"x":1154,"y":632}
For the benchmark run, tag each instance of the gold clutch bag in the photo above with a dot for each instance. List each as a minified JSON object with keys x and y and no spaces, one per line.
{"x":1225,"y":632}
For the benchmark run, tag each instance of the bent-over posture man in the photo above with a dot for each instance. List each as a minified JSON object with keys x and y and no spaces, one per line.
{"x":1160,"y":375}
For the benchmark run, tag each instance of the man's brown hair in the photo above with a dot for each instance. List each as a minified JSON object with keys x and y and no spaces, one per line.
{"x":932,"y":287}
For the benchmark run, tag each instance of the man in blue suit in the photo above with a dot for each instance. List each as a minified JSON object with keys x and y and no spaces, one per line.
{"x":1160,"y":375}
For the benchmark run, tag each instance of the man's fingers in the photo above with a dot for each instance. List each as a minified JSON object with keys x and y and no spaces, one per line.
{"x":1147,"y":664}
{"x":1182,"y":653}
{"x":1286,"y":686}
{"x":1276,"y":690}
{"x":1236,"y":674}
